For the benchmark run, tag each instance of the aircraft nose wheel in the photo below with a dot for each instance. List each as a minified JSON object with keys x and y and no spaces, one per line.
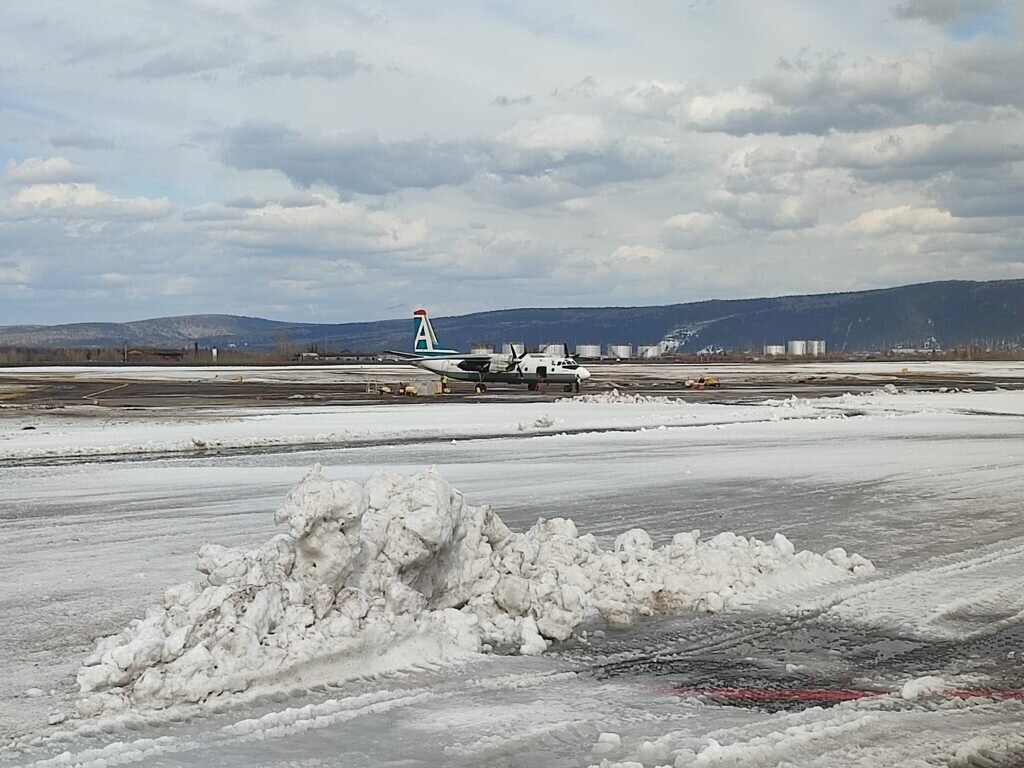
{"x":481,"y":388}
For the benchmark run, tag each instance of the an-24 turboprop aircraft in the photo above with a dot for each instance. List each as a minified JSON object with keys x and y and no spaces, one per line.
{"x":529,"y":369}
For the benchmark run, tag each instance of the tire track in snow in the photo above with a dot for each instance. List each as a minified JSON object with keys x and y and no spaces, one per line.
{"x":277,"y":724}
{"x":939,"y":599}
{"x":862,"y":734}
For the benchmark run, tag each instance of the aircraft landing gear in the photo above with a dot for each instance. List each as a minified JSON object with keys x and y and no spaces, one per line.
{"x":532,"y":386}
{"x":481,"y":388}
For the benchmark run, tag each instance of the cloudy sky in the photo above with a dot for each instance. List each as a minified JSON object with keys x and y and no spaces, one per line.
{"x":329,"y":161}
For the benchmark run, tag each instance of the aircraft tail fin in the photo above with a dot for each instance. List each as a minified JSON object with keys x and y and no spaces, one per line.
{"x":424,"y":341}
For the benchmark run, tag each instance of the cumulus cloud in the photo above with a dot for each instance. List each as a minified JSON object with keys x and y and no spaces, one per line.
{"x":85,"y":49}
{"x":512,"y":101}
{"x":579,"y":150}
{"x":636,"y":261}
{"x":14,"y":272}
{"x":696,"y":229}
{"x":80,"y":201}
{"x":352,"y":162}
{"x":943,"y":11}
{"x":563,"y":152}
{"x":802,"y":96}
{"x":736,"y":110}
{"x":552,"y":139}
{"x":653,"y":98}
{"x":328,"y":66}
{"x":908,"y":219}
{"x":903,"y":218}
{"x":916,"y":150}
{"x":488,"y":255}
{"x":765,"y":211}
{"x":586,"y":87}
{"x":763,"y":187}
{"x":81,"y":140}
{"x":36,"y":170}
{"x":982,"y":191}
{"x":198,"y":62}
{"x":321,"y":225}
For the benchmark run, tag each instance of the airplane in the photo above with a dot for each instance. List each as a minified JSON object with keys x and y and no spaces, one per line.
{"x":517,"y":368}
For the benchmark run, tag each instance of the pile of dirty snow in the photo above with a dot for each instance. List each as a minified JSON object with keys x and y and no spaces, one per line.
{"x":405,"y":561}
{"x":614,"y":396}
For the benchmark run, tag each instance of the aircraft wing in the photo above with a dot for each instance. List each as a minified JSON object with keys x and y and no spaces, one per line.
{"x":412,"y":357}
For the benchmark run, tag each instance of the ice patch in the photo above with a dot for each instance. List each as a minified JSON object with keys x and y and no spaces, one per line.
{"x":405,"y":561}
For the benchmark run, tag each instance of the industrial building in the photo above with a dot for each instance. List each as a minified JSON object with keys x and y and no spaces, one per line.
{"x":797,"y":348}
{"x":554,"y":348}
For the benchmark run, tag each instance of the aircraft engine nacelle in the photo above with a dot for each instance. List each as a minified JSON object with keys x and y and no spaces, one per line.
{"x":500,"y":363}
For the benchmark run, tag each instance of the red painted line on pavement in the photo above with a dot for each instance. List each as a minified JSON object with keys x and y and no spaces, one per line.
{"x":997,"y":693}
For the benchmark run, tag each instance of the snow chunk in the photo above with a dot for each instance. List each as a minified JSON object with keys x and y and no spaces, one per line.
{"x":364,"y":569}
{"x":922,"y":687}
{"x":607,"y":742}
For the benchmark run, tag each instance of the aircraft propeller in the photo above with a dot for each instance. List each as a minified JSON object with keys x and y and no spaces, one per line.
{"x":515,"y":359}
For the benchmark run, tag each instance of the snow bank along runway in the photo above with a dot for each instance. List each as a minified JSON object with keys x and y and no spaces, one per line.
{"x":926,"y":487}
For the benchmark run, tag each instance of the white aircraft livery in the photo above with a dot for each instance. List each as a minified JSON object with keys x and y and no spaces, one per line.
{"x":529,"y":369}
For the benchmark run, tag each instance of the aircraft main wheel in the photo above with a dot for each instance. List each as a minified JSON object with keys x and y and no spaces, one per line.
{"x":567,"y":388}
{"x":481,"y":388}
{"x":532,"y":386}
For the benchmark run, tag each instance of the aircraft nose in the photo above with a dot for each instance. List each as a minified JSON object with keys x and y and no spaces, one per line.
{"x":583,"y":373}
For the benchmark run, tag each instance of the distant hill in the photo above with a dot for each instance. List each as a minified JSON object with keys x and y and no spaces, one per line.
{"x":945,"y":314}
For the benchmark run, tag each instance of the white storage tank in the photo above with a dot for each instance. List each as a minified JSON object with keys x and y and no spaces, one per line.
{"x":590,"y":351}
{"x":554,"y":349}
{"x":648,"y":351}
{"x":507,"y":347}
{"x":771,"y":350}
{"x":481,"y":349}
{"x":796,"y":347}
{"x":620,"y":351}
{"x":816,"y":347}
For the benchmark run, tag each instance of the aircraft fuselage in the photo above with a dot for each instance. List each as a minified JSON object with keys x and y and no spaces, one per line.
{"x":528,"y":369}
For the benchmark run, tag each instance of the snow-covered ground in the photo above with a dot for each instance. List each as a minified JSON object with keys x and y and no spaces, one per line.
{"x":86,"y":431}
{"x":926,"y":486}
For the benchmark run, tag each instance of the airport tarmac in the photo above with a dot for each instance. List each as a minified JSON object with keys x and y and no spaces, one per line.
{"x":132,"y":387}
